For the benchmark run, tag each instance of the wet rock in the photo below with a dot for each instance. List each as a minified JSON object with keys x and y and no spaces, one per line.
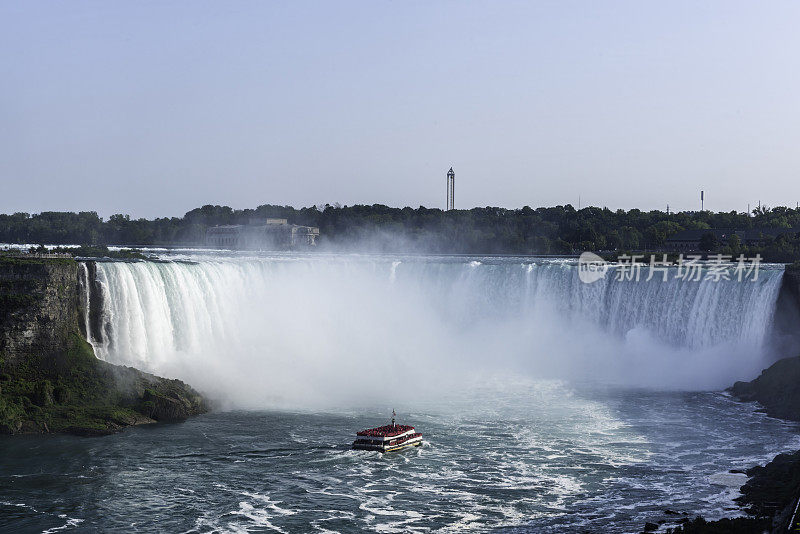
{"x":777,"y":389}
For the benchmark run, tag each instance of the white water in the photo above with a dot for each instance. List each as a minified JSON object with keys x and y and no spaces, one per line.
{"x":316,"y":330}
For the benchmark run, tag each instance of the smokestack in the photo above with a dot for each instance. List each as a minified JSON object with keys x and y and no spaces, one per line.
{"x":702,"y":201}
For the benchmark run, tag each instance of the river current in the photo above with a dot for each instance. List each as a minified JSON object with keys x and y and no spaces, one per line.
{"x":546,"y":405}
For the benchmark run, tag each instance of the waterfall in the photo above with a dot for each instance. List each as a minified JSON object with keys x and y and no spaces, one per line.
{"x":679,"y":312}
{"x":264,"y":329}
{"x":84,"y":298}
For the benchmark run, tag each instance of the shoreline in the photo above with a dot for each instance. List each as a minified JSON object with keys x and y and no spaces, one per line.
{"x":770,"y":496}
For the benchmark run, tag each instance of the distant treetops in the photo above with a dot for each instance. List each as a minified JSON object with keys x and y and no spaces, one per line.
{"x":489,"y":230}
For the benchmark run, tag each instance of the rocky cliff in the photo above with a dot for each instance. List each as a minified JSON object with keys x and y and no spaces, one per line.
{"x":777,"y":389}
{"x":791,"y":280}
{"x":50,"y":379}
{"x":38,"y":306}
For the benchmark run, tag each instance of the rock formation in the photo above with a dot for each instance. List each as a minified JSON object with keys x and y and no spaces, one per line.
{"x":50,"y":379}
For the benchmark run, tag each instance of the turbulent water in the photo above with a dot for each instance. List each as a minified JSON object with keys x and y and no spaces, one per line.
{"x":547,"y":405}
{"x":528,"y":456}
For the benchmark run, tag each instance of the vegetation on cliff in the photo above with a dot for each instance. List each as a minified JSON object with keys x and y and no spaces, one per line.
{"x":85,"y":251}
{"x":80,"y":394}
{"x":50,"y":379}
{"x":100,"y":251}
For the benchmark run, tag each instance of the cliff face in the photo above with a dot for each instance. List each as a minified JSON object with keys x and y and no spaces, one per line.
{"x":791,"y":284}
{"x":38,"y":307}
{"x":50,"y":379}
{"x":777,"y":389}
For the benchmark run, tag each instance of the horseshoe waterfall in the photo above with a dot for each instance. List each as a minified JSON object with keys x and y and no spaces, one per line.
{"x":546,"y":404}
{"x":308,"y":330}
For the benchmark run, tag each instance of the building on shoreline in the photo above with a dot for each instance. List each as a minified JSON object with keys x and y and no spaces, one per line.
{"x":269,"y":234}
{"x":689,"y":240}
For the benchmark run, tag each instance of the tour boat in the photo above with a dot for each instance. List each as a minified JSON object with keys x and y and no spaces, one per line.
{"x":387,"y":438}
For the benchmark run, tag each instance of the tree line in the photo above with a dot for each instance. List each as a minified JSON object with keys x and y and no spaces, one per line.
{"x":380,"y":228}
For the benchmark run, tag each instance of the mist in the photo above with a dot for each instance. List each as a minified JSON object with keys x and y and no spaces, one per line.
{"x":294,"y":331}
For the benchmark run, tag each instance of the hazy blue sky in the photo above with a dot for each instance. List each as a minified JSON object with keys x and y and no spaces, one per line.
{"x":153,"y":108}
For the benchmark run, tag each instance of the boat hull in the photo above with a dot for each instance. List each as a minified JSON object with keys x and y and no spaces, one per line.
{"x":414,"y":442}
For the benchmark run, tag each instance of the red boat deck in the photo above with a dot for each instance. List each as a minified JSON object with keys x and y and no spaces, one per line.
{"x":385,"y":431}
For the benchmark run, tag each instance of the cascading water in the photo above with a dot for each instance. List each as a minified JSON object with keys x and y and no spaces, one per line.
{"x":313,"y":329}
{"x":526,"y":383}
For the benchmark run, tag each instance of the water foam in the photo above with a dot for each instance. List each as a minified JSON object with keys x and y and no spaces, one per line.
{"x":307,"y":330}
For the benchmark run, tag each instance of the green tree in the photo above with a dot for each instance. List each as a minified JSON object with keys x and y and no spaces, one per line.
{"x":708,"y":242}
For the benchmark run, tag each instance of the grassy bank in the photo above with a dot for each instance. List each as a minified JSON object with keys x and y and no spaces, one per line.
{"x":80,"y":394}
{"x":50,"y":379}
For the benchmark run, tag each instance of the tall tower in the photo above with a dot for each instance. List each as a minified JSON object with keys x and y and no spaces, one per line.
{"x":451,"y":189}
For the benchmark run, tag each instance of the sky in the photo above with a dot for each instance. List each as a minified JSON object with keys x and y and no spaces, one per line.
{"x":155,"y":108}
